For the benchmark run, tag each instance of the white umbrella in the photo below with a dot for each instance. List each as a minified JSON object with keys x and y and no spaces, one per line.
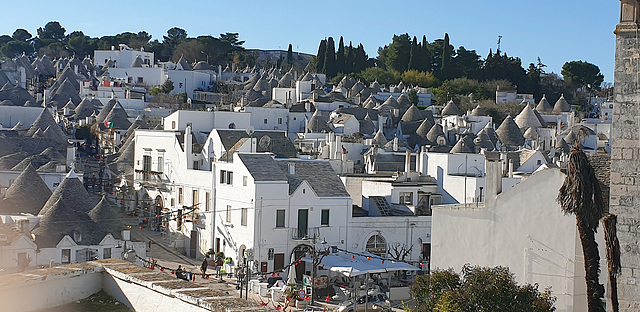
{"x":291,"y":279}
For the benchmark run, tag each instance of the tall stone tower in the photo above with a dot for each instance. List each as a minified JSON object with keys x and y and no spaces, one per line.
{"x":625,"y":153}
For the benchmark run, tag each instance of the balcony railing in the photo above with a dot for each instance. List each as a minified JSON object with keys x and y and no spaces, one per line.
{"x":304,"y":233}
{"x":151,"y":177}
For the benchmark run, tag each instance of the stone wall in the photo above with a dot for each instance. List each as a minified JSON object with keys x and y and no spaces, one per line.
{"x":625,"y":155}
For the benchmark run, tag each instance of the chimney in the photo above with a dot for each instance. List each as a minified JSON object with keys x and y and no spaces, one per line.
{"x":71,"y":155}
{"x":292,"y":168}
{"x":395,"y":144}
{"x":407,"y":162}
{"x":510,"y":168}
{"x":493,"y":181}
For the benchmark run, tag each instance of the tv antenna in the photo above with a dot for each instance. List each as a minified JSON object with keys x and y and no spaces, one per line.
{"x":499,"y":39}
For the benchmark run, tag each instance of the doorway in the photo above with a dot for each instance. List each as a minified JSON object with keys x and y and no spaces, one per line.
{"x":303,"y":222}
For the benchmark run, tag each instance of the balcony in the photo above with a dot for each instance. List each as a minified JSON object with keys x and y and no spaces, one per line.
{"x":303,"y":234}
{"x":151,"y":178}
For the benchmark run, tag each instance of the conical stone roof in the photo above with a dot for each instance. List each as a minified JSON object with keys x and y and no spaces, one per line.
{"x":464,"y":145}
{"x":435,"y":132}
{"x":561,"y":106}
{"x":412,"y":114}
{"x":106,"y":218}
{"x":544,"y":106}
{"x":106,"y":110}
{"x":451,"y":109}
{"x":527,"y":119}
{"x":509,"y":133}
{"x":119,"y":117}
{"x":477,"y":111}
{"x":379,"y":139}
{"x":61,"y":220}
{"x":72,"y":193}
{"x":44,"y":121}
{"x":531,"y":134}
{"x":27,"y":194}
{"x":424,"y":128}
{"x":317,"y":123}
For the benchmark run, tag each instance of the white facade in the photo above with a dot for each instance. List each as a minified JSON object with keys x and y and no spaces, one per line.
{"x":523,"y":229}
{"x":123,"y":57}
{"x":206,"y":121}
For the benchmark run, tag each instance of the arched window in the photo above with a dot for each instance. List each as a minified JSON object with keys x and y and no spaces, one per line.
{"x":377,"y":245}
{"x":232,"y":125}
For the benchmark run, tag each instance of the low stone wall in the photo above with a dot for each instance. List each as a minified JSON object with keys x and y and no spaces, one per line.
{"x":137,"y":287}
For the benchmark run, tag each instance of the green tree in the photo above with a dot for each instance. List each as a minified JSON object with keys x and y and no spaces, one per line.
{"x":582,"y":74}
{"x":427,"y":60}
{"x":21,"y":35}
{"x":360,"y":59}
{"x":478,"y":289}
{"x":164,"y":88}
{"x":580,"y":195}
{"x":421,"y":79}
{"x":340,"y":57}
{"x":232,"y":38}
{"x":349,"y":59}
{"x":330,"y":59}
{"x":81,"y":44}
{"x":16,"y":48}
{"x":398,"y":53}
{"x":322,"y":51}
{"x":414,"y":54}
{"x":447,"y":50}
{"x":467,"y":63}
{"x":52,"y":30}
{"x":501,"y":66}
{"x":174,"y":36}
{"x":290,"y":54}
{"x":383,"y":76}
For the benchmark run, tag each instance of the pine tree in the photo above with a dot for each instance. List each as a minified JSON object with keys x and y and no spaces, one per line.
{"x":322,"y":51}
{"x":330,"y":59}
{"x":414,"y":54}
{"x":349,"y":59}
{"x":340,"y":59}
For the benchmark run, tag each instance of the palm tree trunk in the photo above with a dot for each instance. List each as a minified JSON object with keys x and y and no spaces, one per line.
{"x":613,"y":258}
{"x":595,"y":290}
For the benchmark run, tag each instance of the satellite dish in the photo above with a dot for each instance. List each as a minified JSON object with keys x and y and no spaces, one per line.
{"x":250,"y":130}
{"x":265,"y":142}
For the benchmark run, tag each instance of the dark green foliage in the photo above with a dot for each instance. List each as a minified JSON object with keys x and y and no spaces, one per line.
{"x":414,"y":55}
{"x":478,"y":289}
{"x":322,"y":51}
{"x":15,"y":48}
{"x":21,"y":35}
{"x":447,"y":51}
{"x":164,"y":88}
{"x":290,"y":54}
{"x":349,"y":62}
{"x":582,"y":74}
{"x":232,"y":38}
{"x":52,"y":30}
{"x":398,"y":53}
{"x":340,"y":57}
{"x":329,"y":68}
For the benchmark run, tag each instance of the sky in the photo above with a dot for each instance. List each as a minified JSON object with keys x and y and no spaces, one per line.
{"x":557,"y":31}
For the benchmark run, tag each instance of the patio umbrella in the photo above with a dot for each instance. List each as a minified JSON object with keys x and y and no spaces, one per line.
{"x":291,"y":279}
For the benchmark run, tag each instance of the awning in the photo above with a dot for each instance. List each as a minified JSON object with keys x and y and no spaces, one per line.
{"x":354,"y":265}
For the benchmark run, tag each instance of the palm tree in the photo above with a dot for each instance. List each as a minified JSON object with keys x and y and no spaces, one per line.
{"x":613,"y":257}
{"x":581,"y":196}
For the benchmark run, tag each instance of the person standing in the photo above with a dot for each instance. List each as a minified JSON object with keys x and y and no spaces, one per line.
{"x":203,"y":267}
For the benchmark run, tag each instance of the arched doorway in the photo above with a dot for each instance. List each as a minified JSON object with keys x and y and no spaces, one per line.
{"x":158,"y":206}
{"x":376,"y":244}
{"x":297,"y":253}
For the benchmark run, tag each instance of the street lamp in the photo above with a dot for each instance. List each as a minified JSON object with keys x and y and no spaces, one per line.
{"x":317,"y":256}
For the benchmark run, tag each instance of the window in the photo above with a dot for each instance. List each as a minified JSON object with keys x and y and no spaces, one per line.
{"x":324,"y":218}
{"x":129,"y":79}
{"x":406,"y":198}
{"x":244,"y":180}
{"x":280,"y":215}
{"x":226,"y":177}
{"x":66,"y":256}
{"x":146,"y":166}
{"x":377,"y":245}
{"x":140,"y":80}
{"x":173,"y":202}
{"x":196,"y":199}
{"x":173,"y":125}
{"x":243,"y":220}
{"x":106,"y":253}
{"x":279,"y":121}
{"x":160,"y":164}
{"x":228,"y":213}
{"x":179,"y":195}
{"x":207,"y":201}
{"x":265,"y":121}
{"x":196,"y":165}
{"x":539,"y":162}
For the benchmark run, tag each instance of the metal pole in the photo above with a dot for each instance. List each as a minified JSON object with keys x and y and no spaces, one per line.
{"x":246,"y":293}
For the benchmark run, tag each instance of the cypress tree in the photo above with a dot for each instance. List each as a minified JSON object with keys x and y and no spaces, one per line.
{"x":414,"y":54}
{"x":349,"y":60}
{"x":290,"y":55}
{"x":322,"y":51}
{"x":427,"y":59}
{"x":330,"y":59}
{"x":340,"y":59}
{"x":446,"y":58}
{"x":360,"y":62}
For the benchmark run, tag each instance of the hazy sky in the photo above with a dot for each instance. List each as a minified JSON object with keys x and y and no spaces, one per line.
{"x":556,"y":31}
